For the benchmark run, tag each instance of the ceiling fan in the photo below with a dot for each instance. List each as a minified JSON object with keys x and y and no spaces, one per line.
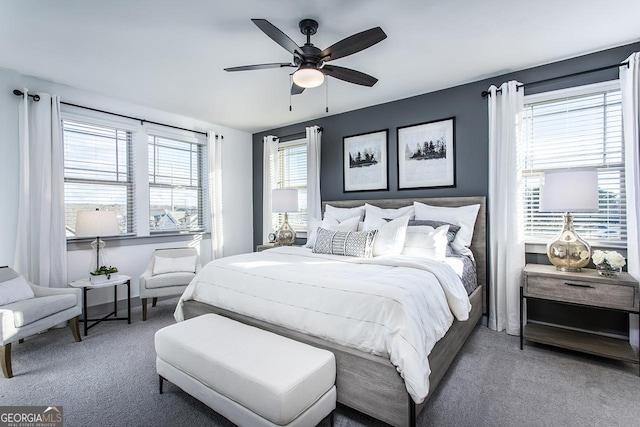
{"x":311,"y":61}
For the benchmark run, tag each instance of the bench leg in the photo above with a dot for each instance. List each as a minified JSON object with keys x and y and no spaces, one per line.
{"x":154,"y":301}
{"x":5,"y":360}
{"x":144,"y":309}
{"x":160,"y":383}
{"x":74,"y":324}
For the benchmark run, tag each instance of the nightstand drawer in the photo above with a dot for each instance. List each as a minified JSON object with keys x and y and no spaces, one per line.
{"x":581,"y":292}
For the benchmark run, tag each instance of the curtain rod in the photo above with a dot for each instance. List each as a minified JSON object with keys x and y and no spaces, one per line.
{"x":295,"y":135}
{"x":36,"y":97}
{"x":485,"y":93}
{"x":18,"y":92}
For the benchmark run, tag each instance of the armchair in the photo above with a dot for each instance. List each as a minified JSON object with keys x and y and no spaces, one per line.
{"x":47,"y":308}
{"x":168,"y":274}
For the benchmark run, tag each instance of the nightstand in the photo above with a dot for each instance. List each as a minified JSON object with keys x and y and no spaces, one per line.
{"x":588,"y":289}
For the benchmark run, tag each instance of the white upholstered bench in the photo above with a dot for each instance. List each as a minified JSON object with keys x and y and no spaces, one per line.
{"x":250,"y":376}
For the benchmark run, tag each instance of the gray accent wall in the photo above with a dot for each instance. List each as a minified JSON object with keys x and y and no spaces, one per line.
{"x":471,"y":129}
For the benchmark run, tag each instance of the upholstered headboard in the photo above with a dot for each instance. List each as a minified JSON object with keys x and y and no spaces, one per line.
{"x":478,"y":243}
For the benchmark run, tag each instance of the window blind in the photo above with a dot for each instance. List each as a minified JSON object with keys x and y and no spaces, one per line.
{"x":293,"y":174}
{"x":98,"y":173}
{"x":176,"y":187}
{"x":581,"y":131}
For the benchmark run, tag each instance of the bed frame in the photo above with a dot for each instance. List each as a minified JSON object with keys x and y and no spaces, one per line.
{"x":371,"y":384}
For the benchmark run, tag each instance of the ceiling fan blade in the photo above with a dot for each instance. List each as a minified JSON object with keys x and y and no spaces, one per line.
{"x":260,"y":66}
{"x":296,"y":90}
{"x":349,"y":75}
{"x":278,"y":36}
{"x":353,"y":44}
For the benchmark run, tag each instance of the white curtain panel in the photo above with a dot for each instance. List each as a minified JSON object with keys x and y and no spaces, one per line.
{"x":214,"y":153}
{"x":314,"y":199}
{"x":41,"y":245}
{"x":270,"y":177}
{"x":507,"y":250}
{"x":630,"y":89}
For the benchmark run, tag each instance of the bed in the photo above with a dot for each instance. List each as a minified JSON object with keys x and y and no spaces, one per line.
{"x":368,"y":382}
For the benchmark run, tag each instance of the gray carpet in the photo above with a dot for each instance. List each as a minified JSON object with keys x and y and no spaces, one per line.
{"x":109,"y":380}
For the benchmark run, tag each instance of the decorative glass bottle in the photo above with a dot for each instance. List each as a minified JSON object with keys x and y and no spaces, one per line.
{"x":568,"y":252}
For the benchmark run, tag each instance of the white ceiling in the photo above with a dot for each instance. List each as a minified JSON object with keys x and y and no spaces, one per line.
{"x":170,"y":55}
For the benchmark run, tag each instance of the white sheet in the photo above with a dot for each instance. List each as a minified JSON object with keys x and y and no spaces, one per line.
{"x":391,"y":306}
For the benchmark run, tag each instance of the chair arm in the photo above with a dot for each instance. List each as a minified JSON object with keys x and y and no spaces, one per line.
{"x":7,"y":325}
{"x":41,"y":291}
{"x":144,"y":277}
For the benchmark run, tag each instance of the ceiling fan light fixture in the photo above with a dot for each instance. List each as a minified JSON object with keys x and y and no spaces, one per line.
{"x":308,"y":77}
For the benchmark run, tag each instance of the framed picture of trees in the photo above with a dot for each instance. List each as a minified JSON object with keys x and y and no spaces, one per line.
{"x":366,"y":166}
{"x":426,"y":155}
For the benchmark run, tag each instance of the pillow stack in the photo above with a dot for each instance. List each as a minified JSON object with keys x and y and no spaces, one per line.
{"x":463,"y":216}
{"x":418,"y":230}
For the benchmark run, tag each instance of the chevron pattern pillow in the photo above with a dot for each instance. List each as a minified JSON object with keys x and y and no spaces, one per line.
{"x":346,"y":243}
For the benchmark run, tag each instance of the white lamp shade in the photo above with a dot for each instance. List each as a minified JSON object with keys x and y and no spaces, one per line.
{"x":308,"y":77}
{"x":97,"y":224}
{"x":284,"y":200}
{"x":569,"y":190}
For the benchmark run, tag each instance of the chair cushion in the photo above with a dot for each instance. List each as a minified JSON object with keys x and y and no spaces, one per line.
{"x":169,"y":279}
{"x":273,"y":376}
{"x":34,"y":309}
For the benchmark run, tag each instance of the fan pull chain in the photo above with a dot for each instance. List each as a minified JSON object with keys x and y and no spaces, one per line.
{"x":290,"y":83}
{"x":326,"y":108}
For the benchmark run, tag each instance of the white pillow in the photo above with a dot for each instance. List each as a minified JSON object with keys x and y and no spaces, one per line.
{"x":14,"y":290}
{"x":391,"y":235}
{"x":332,"y":224}
{"x":163,"y":265}
{"x":464,"y":216}
{"x":342,"y":214}
{"x":377,"y":212}
{"x":426,"y":242}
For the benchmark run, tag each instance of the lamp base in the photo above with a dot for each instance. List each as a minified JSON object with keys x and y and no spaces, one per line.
{"x":568,"y":251}
{"x":97,"y":254}
{"x":286,"y":236}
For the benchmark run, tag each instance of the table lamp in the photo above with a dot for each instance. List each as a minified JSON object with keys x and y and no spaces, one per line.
{"x":97,"y":224}
{"x":285,"y":200}
{"x":569,"y":190}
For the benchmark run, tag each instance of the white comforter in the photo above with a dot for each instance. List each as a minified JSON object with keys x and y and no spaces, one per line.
{"x":392,"y":306}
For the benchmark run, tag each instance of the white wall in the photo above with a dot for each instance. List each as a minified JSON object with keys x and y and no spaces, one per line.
{"x":130,"y":259}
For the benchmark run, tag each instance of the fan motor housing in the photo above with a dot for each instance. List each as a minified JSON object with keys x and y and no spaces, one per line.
{"x":308,"y":26}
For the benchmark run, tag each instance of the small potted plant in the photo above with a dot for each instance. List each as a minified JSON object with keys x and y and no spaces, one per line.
{"x":102,"y":274}
{"x":608,"y":263}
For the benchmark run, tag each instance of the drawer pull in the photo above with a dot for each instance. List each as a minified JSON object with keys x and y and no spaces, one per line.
{"x":577,"y":285}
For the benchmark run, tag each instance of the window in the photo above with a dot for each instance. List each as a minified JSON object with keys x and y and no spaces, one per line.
{"x":98,"y":172}
{"x":176,"y":190}
{"x":575,"y":128}
{"x":292,"y":157}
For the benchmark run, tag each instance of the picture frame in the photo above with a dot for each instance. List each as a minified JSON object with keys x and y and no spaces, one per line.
{"x":366,"y":164}
{"x":426,"y":155}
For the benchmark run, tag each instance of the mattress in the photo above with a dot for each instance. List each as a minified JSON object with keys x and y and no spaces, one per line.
{"x":391,"y":306}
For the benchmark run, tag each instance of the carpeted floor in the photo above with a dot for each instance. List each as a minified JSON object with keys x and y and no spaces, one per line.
{"x":109,"y":379}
